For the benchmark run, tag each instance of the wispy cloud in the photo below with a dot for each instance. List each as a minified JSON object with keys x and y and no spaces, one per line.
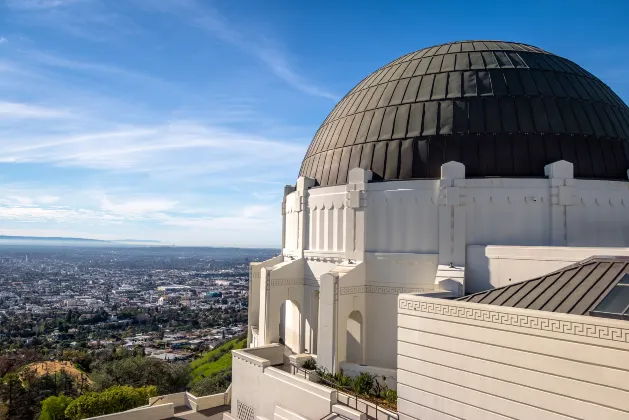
{"x":134,"y":207}
{"x":3,"y":40}
{"x":21,"y":111}
{"x":211,"y":20}
{"x":40,"y":4}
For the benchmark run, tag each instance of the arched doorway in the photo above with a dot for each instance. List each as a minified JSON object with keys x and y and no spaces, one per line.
{"x":290,"y":325}
{"x":355,"y":338}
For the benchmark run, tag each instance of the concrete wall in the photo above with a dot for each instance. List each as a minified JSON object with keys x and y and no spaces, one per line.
{"x":496,"y":266}
{"x":400,"y":217}
{"x":258,"y":388}
{"x":459,"y":360}
{"x":254,"y":291}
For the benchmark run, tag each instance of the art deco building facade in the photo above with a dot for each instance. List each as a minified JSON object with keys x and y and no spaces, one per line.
{"x":460,"y":225}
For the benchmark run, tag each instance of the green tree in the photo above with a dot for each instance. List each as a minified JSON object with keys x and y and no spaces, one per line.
{"x":213,"y":384}
{"x":142,"y":371}
{"x":111,"y":400}
{"x":53,"y":408}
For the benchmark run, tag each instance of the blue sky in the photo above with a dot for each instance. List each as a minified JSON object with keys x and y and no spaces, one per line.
{"x":181,"y":120}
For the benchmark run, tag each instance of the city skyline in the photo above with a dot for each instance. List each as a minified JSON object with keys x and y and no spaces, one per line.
{"x":180,"y":121}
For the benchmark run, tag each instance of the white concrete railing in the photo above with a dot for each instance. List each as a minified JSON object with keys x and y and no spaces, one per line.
{"x":186,"y":399}
{"x":156,"y":412}
{"x":259,"y":388}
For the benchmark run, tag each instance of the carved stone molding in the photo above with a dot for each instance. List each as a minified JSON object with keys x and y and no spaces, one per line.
{"x":287,"y":282}
{"x":381,"y":289}
{"x":582,"y":329}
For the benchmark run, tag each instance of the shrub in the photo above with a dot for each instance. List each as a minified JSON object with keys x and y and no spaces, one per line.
{"x":142,"y":371}
{"x":53,"y":408}
{"x":391,"y":396}
{"x":213,"y":384}
{"x":112,"y":400}
{"x":310,"y":364}
{"x":363,"y":383}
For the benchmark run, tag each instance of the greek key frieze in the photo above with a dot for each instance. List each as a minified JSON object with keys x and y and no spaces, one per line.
{"x":381,"y":289}
{"x":517,"y":320}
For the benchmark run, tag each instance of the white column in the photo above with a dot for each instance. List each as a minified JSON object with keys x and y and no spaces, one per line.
{"x":265,"y":294}
{"x":303,"y":184}
{"x":328,"y":320}
{"x":452,"y":238}
{"x":355,"y":203}
{"x":287,"y":190}
{"x":561,"y":177}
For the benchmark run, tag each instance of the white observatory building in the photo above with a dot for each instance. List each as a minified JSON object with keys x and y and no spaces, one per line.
{"x":460,"y":226}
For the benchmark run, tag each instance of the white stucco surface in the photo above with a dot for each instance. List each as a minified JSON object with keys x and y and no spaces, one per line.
{"x":473,"y":361}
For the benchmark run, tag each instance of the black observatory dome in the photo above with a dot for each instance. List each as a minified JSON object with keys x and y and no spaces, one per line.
{"x":500,"y":108}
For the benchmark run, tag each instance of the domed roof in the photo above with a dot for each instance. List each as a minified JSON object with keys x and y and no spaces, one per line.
{"x":500,"y":108}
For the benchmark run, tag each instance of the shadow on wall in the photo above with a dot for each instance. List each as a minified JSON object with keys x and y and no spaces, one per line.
{"x":355,"y":338}
{"x":290,"y":325}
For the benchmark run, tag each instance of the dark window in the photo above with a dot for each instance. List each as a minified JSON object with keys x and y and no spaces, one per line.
{"x":616,"y":302}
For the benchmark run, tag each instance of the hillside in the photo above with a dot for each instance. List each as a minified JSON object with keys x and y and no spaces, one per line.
{"x":215,"y":361}
{"x":52,"y":367}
